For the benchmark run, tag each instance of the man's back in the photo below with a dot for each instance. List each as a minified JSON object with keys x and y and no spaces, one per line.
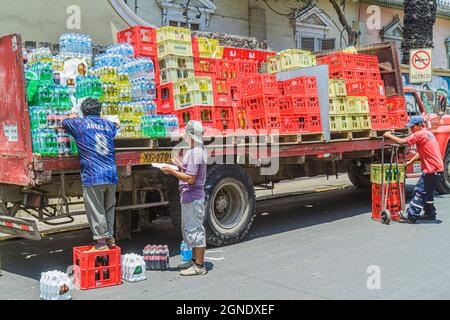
{"x":429,"y":151}
{"x":95,"y":141}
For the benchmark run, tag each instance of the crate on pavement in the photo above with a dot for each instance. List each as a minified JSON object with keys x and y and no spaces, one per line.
{"x":393,"y":202}
{"x":143,"y":40}
{"x":96,"y":269}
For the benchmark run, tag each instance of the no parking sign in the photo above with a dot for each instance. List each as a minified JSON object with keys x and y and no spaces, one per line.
{"x":420,"y":66}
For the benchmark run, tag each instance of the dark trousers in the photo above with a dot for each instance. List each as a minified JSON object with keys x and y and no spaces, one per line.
{"x":423,"y":197}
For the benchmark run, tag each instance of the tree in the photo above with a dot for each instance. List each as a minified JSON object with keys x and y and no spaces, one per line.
{"x":420,"y":17}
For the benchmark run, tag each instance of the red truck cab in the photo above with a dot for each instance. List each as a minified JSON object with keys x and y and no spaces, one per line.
{"x":433,"y":107}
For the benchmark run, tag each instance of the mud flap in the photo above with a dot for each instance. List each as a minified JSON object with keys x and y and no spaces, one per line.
{"x":20,"y":228}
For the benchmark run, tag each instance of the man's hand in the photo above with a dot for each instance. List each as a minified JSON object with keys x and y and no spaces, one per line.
{"x":388,"y":135}
{"x":177,"y":162}
{"x":73,"y":116}
{"x":167,"y":170}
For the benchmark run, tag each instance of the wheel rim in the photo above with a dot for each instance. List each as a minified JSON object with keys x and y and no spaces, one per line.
{"x":228,"y":204}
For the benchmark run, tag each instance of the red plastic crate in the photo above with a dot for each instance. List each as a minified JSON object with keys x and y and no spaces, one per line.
{"x":313,"y":105}
{"x":96,"y":269}
{"x":241,"y":121}
{"x":231,"y":53}
{"x":337,"y":72}
{"x":377,"y":105}
{"x":248,"y":68}
{"x":227,"y":69}
{"x":292,"y":105}
{"x":206,"y":115}
{"x":260,"y":105}
{"x":221,"y":91}
{"x":166,"y":99}
{"x":224,"y":119}
{"x":310,"y":123}
{"x":380,"y":121}
{"x":259,"y":84}
{"x":267,"y":122}
{"x":205,"y":66}
{"x":143,"y":39}
{"x":300,"y":85}
{"x":235,"y":93}
{"x":396,"y":103}
{"x":195,"y":48}
{"x":393,"y":203}
{"x":351,"y":61}
{"x":365,"y":88}
{"x":398,"y":119}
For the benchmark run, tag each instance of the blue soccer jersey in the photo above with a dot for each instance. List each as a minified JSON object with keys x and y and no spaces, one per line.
{"x":95,"y":141}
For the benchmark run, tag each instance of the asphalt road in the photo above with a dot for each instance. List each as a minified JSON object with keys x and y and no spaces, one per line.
{"x":317,"y":246}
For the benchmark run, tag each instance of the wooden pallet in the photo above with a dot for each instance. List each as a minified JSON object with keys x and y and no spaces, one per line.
{"x":350,"y":135}
{"x":307,"y":137}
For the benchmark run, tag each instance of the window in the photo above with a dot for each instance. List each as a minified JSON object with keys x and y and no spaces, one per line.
{"x":308,"y":44}
{"x":182,"y":24}
{"x":412,"y":107}
{"x":326,"y":44}
{"x":30,"y":45}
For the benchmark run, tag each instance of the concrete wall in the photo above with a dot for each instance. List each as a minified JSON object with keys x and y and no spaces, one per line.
{"x":45,"y":20}
{"x":441,"y":33}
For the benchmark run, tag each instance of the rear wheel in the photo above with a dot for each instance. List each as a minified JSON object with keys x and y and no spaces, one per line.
{"x":230,"y":205}
{"x":356,"y":175}
{"x":444,"y":185}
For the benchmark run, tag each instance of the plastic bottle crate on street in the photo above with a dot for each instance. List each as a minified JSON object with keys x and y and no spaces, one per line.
{"x":194,"y":98}
{"x":143,"y":39}
{"x":174,"y":47}
{"x":380,"y":121}
{"x":173,"y":33}
{"x":176,"y":62}
{"x":206,"y":115}
{"x":192,"y":84}
{"x":205,"y":67}
{"x":391,"y":174}
{"x":258,"y":106}
{"x":259,"y":84}
{"x":393,"y":201}
{"x":172,"y":75}
{"x":96,"y":269}
{"x":358,"y":104}
{"x":300,"y":85}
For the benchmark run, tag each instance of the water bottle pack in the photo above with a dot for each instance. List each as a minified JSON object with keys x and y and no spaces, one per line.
{"x":139,"y":68}
{"x":89,"y":86}
{"x":143,"y":88}
{"x":133,"y":268}
{"x":76,"y":46}
{"x":123,"y":49}
{"x":185,"y":252}
{"x":40,"y":55}
{"x":43,"y":71}
{"x":157,"y":257}
{"x":157,"y":126}
{"x":55,"y":285}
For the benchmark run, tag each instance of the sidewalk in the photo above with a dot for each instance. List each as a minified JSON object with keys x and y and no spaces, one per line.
{"x":287,"y":188}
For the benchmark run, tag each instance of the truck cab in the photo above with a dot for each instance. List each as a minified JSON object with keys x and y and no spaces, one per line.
{"x":433,"y":106}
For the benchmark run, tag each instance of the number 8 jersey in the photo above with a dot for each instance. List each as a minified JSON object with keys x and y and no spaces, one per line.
{"x":95,"y":141}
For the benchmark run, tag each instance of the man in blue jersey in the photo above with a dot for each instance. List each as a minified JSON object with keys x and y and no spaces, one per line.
{"x":95,"y":141}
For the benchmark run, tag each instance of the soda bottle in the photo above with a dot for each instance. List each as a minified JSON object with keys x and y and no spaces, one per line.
{"x":152,"y":258}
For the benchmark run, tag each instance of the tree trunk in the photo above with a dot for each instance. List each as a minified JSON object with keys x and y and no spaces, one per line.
{"x":352,"y":34}
{"x":420,"y":16}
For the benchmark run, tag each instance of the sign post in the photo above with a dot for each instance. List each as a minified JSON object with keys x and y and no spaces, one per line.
{"x":420,"y":66}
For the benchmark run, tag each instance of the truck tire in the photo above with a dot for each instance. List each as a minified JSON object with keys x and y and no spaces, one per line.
{"x":230,"y":205}
{"x":357,"y":178}
{"x":444,"y":185}
{"x":173,"y":196}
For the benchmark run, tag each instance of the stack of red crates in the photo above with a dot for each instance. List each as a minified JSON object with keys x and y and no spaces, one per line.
{"x":398,"y":116}
{"x":362,"y":77}
{"x":393,"y":202}
{"x":299,"y":105}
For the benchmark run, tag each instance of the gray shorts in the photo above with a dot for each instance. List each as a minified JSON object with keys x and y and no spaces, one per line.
{"x":192,"y":219}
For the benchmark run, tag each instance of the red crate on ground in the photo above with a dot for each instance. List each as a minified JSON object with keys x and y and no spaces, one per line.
{"x":396,"y":103}
{"x":248,"y":68}
{"x":380,"y":121}
{"x":377,"y":105}
{"x":221,"y":93}
{"x":206,"y":115}
{"x":224,"y":119}
{"x":143,"y":39}
{"x":393,"y":203}
{"x":166,"y":99}
{"x":260,"y":105}
{"x":259,"y":84}
{"x":227,"y":69}
{"x":300,"y":85}
{"x":96,"y":269}
{"x":205,"y":67}
{"x":231,"y":53}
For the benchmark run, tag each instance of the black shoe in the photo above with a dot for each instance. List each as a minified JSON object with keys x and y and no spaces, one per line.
{"x":427,"y":217}
{"x":407,"y":221}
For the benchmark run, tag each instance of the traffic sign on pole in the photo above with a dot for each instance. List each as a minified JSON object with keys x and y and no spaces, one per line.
{"x":420,"y":66}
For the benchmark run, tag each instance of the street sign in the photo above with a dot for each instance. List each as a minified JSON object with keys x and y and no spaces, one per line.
{"x":420,"y":66}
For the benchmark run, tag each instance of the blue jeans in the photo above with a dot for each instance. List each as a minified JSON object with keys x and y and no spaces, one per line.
{"x":423,"y":197}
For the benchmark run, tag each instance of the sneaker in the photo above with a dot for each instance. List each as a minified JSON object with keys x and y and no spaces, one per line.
{"x":185,"y":265}
{"x":427,"y":217}
{"x":100,"y":246}
{"x":407,"y":221}
{"x":195,"y":270}
{"x":111,"y":242}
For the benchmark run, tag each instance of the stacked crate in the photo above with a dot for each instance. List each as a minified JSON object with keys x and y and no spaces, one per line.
{"x":299,"y":105}
{"x":290,"y":60}
{"x":397,"y":114}
{"x":364,"y":106}
{"x":380,"y":186}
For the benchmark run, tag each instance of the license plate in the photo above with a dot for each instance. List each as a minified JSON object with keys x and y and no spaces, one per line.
{"x":155,"y":157}
{"x":417,"y":167}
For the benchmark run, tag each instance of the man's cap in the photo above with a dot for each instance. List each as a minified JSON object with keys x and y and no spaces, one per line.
{"x":194,"y":130}
{"x":415,"y":120}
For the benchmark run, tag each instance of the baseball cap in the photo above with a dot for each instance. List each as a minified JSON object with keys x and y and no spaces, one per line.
{"x":415,"y":120}
{"x":194,"y":130}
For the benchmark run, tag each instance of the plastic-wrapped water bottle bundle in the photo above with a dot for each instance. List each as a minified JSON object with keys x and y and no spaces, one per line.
{"x":123,"y":49}
{"x":133,"y":268}
{"x":55,"y":285}
{"x":89,"y":86}
{"x":40,"y":55}
{"x":76,"y":46}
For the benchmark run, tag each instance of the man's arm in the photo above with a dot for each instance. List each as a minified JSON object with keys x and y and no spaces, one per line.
{"x":398,"y":140}
{"x":414,"y":159}
{"x":179,"y":175}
